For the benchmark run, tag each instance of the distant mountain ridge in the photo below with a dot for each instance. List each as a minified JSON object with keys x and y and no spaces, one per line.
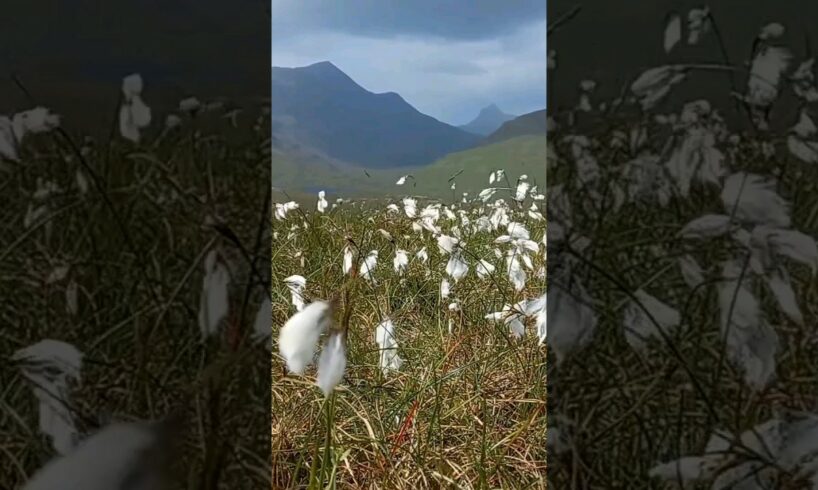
{"x":533,"y":123}
{"x":487,"y":121}
{"x":326,"y":109}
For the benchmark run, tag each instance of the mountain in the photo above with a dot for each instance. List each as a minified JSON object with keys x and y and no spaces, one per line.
{"x":488,"y":121}
{"x":533,"y":123}
{"x":471,"y":168}
{"x":330,"y":112}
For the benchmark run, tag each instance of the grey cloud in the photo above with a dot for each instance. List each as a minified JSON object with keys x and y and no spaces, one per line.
{"x":453,"y":68}
{"x":449,"y":19}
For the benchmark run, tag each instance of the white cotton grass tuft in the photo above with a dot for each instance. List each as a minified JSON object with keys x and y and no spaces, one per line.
{"x":52,"y":366}
{"x":754,"y":199}
{"x":282,"y":210}
{"x":37,"y":120}
{"x":457,"y":268}
{"x":348,"y":257}
{"x":389,"y":360}
{"x":214,"y":300}
{"x":707,"y":226}
{"x":752,"y":343}
{"x":296,"y":284}
{"x":445,"y":288}
{"x":400,"y":261}
{"x":521,"y":192}
{"x":573,"y":320}
{"x":119,"y":456}
{"x":322,"y":202}
{"x":410,"y":207}
{"x":516,"y":274}
{"x":422,"y":255}
{"x":673,"y":32}
{"x":331,"y":364}
{"x":134,"y":115}
{"x":447,"y":244}
{"x":367,"y":268}
{"x":640,"y":328}
{"x":512,"y":317}
{"x":655,"y":83}
{"x":484,"y":269}
{"x":698,"y":24}
{"x":691,"y":271}
{"x":298,"y":338}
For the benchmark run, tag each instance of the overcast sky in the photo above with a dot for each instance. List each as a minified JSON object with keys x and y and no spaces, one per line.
{"x":448,"y":58}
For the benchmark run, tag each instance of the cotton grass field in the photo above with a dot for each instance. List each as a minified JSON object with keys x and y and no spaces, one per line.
{"x":682,"y":282}
{"x":112,"y":320}
{"x":440,"y":309}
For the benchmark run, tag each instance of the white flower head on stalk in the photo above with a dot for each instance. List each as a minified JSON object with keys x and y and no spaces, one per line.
{"x":296,"y":285}
{"x":752,"y":343}
{"x":512,"y":317}
{"x":698,"y":24}
{"x":37,"y":120}
{"x":522,"y":191}
{"x":445,"y":289}
{"x":298,"y":338}
{"x":673,"y":32}
{"x":283,"y":209}
{"x":691,"y":271}
{"x":447,"y":244}
{"x":400,"y":261}
{"x":368,"y":266}
{"x":516,"y":274}
{"x":768,"y":66}
{"x":393,"y":208}
{"x":214,"y":302}
{"x":263,"y":325}
{"x":771,"y":31}
{"x":348,"y":257}
{"x":322,"y":202}
{"x":389,"y":359}
{"x":331,"y":364}
{"x":639,"y":327}
{"x":484,"y":268}
{"x":534,"y":213}
{"x":51,"y":365}
{"x":172,"y":121}
{"x":410,"y":207}
{"x":573,"y":320}
{"x":755,"y":200}
{"x":118,"y":456}
{"x":402,"y":180}
{"x":457,"y":268}
{"x":190,"y":105}
{"x":8,"y":143}
{"x":654,"y":84}
{"x":422,"y":255}
{"x":134,"y":115}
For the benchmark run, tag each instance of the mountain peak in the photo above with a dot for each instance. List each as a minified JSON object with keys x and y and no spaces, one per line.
{"x":325,"y":66}
{"x":488,"y":121}
{"x":491,"y":109}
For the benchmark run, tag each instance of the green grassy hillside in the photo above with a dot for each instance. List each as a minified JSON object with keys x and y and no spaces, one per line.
{"x":470,"y":169}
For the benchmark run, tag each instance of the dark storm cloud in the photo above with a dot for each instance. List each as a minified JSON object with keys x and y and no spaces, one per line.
{"x":451,"y":19}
